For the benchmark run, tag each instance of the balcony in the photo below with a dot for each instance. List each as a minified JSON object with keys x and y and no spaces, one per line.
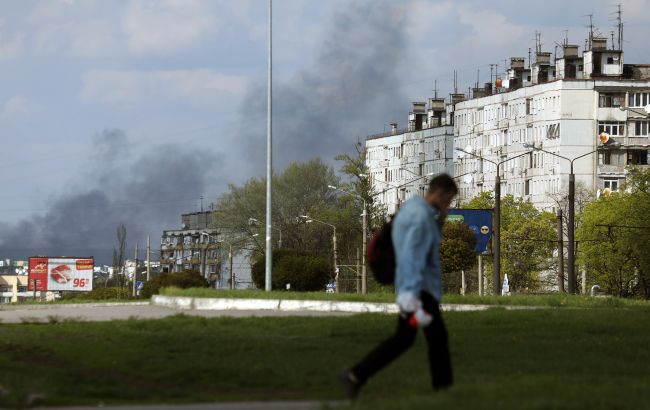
{"x":604,"y":169}
{"x":611,"y":114}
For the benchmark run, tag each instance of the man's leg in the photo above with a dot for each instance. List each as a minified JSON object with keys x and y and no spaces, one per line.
{"x":439,"y":360}
{"x":386,"y":352}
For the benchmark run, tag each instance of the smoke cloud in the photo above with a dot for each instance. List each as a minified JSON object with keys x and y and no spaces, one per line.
{"x":351,"y":90}
{"x":146,"y":192}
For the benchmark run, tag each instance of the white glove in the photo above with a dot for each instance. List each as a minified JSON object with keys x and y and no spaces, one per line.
{"x":407,"y":302}
{"x":420,"y":318}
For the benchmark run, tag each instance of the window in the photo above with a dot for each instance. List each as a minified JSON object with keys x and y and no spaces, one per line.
{"x":612,"y":128}
{"x":610,"y":60}
{"x":606,"y":158}
{"x":637,"y":157}
{"x":610,"y":100}
{"x":187,"y":240}
{"x":638,"y":99}
{"x":528,"y":104}
{"x":527,"y":189}
{"x":641,"y":128}
{"x":611,"y":184}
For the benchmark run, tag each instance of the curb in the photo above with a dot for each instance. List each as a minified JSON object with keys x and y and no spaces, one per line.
{"x":71,"y":305}
{"x":290,"y":305}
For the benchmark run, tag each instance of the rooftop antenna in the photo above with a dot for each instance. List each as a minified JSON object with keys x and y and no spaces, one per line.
{"x":566,"y":37}
{"x":201,"y":203}
{"x":491,"y":70}
{"x":619,"y":20}
{"x":455,"y":82}
{"x":591,"y":29}
{"x":478,"y":75}
{"x":435,"y":89}
{"x":529,"y":51}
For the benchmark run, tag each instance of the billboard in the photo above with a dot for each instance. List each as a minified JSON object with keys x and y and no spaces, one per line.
{"x":479,"y":221}
{"x":61,"y":273}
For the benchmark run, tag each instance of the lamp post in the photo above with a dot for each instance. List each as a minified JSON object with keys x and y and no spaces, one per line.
{"x":496,"y":274}
{"x":364,"y":215}
{"x":253,"y":221}
{"x":269,"y":160}
{"x":309,"y":219}
{"x":608,"y":144}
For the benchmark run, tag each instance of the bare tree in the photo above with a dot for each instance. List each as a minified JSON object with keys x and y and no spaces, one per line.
{"x":118,"y":256}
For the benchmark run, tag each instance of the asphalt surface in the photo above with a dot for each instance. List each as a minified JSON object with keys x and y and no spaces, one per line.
{"x":112,"y":311}
{"x":251,"y":405}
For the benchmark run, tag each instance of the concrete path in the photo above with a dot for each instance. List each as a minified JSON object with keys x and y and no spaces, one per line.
{"x":112,"y":311}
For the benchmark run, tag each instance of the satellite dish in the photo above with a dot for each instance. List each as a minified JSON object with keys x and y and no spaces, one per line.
{"x":603,"y":137}
{"x":607,"y":192}
{"x":647,"y":109}
{"x":468,"y":179}
{"x":460,"y":154}
{"x":469,"y":149}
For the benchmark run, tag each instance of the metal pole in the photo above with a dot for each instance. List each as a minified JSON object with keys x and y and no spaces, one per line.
{"x":364,"y":277}
{"x":571,"y":233}
{"x":148,"y":257}
{"x":358,"y":281}
{"x":231,"y":280}
{"x":135,"y":270}
{"x":336,"y":265}
{"x":496,"y":274}
{"x":269,"y":160}
{"x":560,"y":252}
{"x":280,"y":240}
{"x":480,"y":274}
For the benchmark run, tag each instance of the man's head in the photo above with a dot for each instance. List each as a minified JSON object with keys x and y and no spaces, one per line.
{"x":442,"y":189}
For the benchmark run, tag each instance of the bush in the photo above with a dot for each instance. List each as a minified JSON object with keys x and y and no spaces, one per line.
{"x":303,"y":270}
{"x":183,"y":280}
{"x":99,"y":294}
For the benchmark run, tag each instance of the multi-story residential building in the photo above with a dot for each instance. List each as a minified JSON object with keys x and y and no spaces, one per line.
{"x":560,"y":107}
{"x":194,"y":246}
{"x":399,"y":161}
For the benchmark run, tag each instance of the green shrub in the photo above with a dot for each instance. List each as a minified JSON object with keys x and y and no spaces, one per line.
{"x":183,"y":280}
{"x":99,"y":294}
{"x":305,"y":271}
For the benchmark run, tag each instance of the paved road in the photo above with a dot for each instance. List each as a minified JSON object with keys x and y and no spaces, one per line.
{"x":254,"y":405}
{"x":111,"y":311}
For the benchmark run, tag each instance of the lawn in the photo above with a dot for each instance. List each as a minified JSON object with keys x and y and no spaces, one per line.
{"x":534,"y":359}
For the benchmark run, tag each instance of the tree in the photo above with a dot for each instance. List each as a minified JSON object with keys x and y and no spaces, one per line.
{"x":304,"y":271}
{"x":456,"y":254}
{"x":183,"y":280}
{"x":527,"y":240}
{"x":613,"y":236}
{"x":119,"y":255}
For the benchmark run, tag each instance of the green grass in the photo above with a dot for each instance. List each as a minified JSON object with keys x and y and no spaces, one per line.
{"x":554,"y":300}
{"x":533,"y":359}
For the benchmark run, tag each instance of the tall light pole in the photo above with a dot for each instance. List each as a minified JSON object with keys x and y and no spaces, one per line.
{"x":608,"y":144}
{"x":269,"y":159}
{"x":364,"y":278}
{"x":496,"y":273}
{"x":309,"y":219}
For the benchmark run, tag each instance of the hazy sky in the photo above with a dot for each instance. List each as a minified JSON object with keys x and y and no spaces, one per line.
{"x":129,"y":111}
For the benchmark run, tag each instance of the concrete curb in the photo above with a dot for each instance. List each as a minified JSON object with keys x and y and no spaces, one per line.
{"x":290,"y":305}
{"x":55,"y":306}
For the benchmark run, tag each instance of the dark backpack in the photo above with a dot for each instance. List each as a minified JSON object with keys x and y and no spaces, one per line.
{"x":381,"y":255}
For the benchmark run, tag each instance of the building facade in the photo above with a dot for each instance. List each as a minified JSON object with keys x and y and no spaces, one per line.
{"x":559,"y":107}
{"x":195,"y":246}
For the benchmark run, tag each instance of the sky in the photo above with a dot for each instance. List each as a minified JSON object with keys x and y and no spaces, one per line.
{"x":128,"y":111}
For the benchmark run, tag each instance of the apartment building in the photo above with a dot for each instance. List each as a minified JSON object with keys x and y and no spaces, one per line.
{"x":545,"y":109}
{"x":194,"y":246}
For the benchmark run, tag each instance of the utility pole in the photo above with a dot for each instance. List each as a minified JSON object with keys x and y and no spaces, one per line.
{"x":357,"y":271}
{"x":560,"y":252}
{"x":231,"y":280}
{"x":480,"y":274}
{"x":135,"y":270}
{"x":269,"y":160}
{"x":364,"y":273}
{"x":148,"y":258}
{"x":336,"y":263}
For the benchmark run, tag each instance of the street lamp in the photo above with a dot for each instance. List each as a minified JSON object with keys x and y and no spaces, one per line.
{"x":496,"y":274}
{"x":309,"y":219}
{"x":608,"y":143}
{"x":364,"y":278}
{"x":253,"y":221}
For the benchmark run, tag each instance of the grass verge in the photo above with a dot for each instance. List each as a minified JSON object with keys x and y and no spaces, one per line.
{"x":561,"y":359}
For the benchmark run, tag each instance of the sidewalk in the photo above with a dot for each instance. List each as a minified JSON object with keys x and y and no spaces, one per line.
{"x":246,"y":405}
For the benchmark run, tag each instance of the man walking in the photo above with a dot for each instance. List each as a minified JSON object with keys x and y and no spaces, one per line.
{"x":416,"y":235}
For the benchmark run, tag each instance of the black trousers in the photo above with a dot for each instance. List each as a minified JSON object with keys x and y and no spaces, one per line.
{"x":402,"y":340}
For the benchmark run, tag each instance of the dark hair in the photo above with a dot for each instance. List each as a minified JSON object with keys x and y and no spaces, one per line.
{"x":444,"y":182}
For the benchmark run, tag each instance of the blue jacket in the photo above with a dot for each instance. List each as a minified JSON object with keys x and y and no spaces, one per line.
{"x":416,"y":239}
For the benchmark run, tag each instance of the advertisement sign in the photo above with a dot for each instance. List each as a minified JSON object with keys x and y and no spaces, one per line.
{"x":479,"y":221}
{"x":56,"y":273}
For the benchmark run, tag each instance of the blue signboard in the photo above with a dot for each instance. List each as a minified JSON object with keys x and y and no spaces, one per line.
{"x":479,"y":221}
